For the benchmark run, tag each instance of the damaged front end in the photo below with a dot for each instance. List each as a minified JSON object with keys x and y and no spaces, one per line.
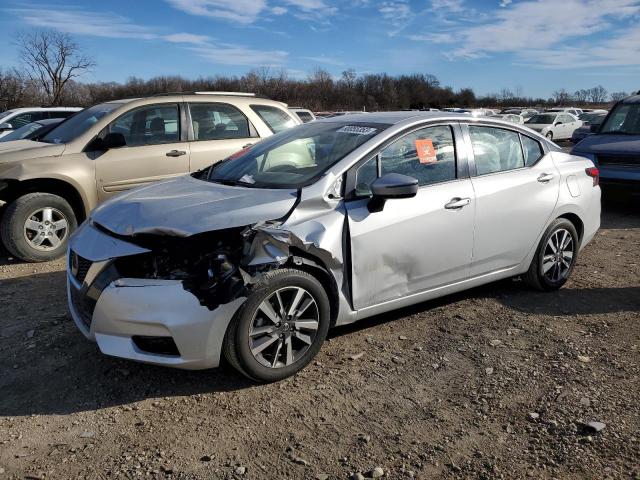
{"x":168,"y":300}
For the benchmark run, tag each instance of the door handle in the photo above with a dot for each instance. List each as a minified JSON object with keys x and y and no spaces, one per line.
{"x":457,"y":203}
{"x":248,"y":145}
{"x":545,"y":178}
{"x":176,"y":153}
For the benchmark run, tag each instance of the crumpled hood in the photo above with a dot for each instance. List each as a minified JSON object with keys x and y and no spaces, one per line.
{"x":18,"y":150}
{"x":186,"y":206}
{"x":610,"y":144}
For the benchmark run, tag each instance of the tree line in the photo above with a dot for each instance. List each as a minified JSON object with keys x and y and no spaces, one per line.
{"x":52,"y":62}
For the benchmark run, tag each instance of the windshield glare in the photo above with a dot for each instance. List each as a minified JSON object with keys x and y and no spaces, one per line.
{"x":79,"y":123}
{"x":625,"y":119}
{"x":21,"y":132}
{"x":542,"y":119}
{"x":295,"y":157}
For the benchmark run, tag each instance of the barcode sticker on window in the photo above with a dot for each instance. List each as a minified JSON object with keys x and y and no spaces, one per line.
{"x":357,"y":130}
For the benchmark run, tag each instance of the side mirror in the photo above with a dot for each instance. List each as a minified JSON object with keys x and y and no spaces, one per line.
{"x":594,"y":127}
{"x":391,"y":186}
{"x":6,"y":126}
{"x":114,"y":140}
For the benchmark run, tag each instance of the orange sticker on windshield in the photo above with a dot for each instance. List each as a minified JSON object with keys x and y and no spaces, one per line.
{"x":426,"y":152}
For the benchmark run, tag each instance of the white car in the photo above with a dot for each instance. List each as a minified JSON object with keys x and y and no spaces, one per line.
{"x":509,"y":117}
{"x":571,"y":110}
{"x":305,"y":115}
{"x":10,"y":120}
{"x":554,"y":125}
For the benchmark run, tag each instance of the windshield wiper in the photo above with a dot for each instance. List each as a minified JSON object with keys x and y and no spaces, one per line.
{"x":232,"y":183}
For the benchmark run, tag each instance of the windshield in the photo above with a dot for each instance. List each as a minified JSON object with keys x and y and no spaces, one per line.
{"x":293,"y":158}
{"x":6,"y":114}
{"x":542,"y":119}
{"x":79,"y":123}
{"x":625,"y":120}
{"x":22,"y":132}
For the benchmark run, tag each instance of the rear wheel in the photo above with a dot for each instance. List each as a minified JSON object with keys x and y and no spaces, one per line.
{"x":280,"y":328}
{"x":555,"y":257}
{"x":549,"y":135}
{"x":36,"y":227}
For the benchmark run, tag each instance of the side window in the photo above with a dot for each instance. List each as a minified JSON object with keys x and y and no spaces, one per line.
{"x":532,"y":150}
{"x":495,"y":149}
{"x":149,"y":125}
{"x":276,"y":119}
{"x":427,"y":154}
{"x":565,"y":119}
{"x":217,"y":121}
{"x":60,"y":114}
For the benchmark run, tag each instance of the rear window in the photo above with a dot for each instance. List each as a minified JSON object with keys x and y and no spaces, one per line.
{"x":304,"y":116}
{"x":277,"y":120}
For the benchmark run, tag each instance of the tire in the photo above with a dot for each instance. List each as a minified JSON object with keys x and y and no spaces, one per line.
{"x":21,"y":222}
{"x":251,"y":328}
{"x":549,"y":136}
{"x":541,"y":275}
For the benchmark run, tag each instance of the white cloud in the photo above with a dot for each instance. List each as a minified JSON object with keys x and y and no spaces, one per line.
{"x":536,"y":30}
{"x":82,"y":22}
{"x":448,"y":5}
{"x":325,"y":60}
{"x":227,"y":54}
{"x":239,"y":11}
{"x":187,"y":38}
{"x":505,"y":3}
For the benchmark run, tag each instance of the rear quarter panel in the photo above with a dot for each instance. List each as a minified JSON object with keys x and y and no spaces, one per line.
{"x":577,"y":193}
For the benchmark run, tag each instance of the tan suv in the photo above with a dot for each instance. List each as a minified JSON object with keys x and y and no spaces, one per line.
{"x":49,"y":187}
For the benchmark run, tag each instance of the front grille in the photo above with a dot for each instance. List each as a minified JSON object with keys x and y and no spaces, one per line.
{"x":79,"y":266}
{"x":621,"y":160}
{"x":83,"y":305}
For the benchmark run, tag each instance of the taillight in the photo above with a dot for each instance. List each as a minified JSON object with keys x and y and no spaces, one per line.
{"x":594,"y":173}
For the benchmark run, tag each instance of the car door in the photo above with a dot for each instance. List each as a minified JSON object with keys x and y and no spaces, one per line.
{"x":412,"y":244}
{"x":156,"y":149}
{"x":516,"y":187}
{"x":217,"y":131}
{"x":568,"y":125}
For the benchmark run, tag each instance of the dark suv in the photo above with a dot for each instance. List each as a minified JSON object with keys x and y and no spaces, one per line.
{"x":615,"y":144}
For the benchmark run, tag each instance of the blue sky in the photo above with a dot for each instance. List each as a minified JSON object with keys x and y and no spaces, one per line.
{"x":537,"y":46}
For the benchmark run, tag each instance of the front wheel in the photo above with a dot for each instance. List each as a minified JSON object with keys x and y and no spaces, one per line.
{"x":555,"y":257}
{"x":280,"y":328}
{"x":549,"y":136}
{"x":36,"y":227}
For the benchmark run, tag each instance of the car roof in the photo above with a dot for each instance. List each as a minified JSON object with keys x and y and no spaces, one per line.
{"x":391,"y":118}
{"x":632,"y":99}
{"x":203,"y":97}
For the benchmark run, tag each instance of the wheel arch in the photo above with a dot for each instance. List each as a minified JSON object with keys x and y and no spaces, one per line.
{"x":577,"y":223}
{"x":55,"y":186}
{"x":314,"y":266}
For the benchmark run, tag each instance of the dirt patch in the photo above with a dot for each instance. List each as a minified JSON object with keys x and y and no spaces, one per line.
{"x":496,"y":382}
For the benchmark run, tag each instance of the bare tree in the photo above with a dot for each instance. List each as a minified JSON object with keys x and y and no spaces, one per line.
{"x":52,"y":59}
{"x":561,"y":97}
{"x":598,"y":94}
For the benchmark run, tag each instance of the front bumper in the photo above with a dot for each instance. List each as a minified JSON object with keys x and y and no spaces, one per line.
{"x":112,"y":311}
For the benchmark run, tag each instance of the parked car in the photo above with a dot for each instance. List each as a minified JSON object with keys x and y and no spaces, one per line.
{"x":303,"y":114}
{"x":509,"y":117}
{"x":524,"y":112}
{"x":572,"y":110}
{"x":50,"y":186}
{"x":11,"y":120}
{"x":33,"y":131}
{"x":587,"y":120}
{"x":553,"y":125}
{"x":256,"y":257}
{"x":615,"y":144}
{"x":595,"y":110}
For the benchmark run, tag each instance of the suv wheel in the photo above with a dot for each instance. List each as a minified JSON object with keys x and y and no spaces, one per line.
{"x":280,"y":328}
{"x":36,"y":227}
{"x":555,"y":257}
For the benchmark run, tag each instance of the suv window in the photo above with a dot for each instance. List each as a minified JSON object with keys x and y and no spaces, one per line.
{"x":217,"y":121}
{"x":495,"y":149}
{"x":532,"y":150}
{"x":565,"y":119}
{"x":25,"y":118}
{"x":276,"y":119}
{"x":427,"y":154}
{"x":148,"y":125}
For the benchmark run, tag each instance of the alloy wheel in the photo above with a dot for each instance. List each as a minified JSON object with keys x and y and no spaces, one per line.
{"x":46,"y":229}
{"x":284,"y":327}
{"x":558,"y":255}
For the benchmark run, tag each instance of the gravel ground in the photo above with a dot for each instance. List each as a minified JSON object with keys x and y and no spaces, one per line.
{"x":496,"y":382}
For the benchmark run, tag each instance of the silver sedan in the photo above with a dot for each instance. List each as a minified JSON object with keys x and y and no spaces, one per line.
{"x":256,"y":257}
